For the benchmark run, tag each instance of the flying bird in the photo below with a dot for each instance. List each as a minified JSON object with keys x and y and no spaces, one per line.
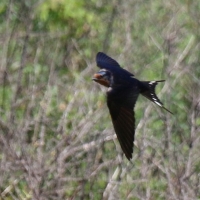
{"x":123,"y":91}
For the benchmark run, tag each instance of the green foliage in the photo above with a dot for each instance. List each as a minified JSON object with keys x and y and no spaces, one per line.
{"x":56,"y":135}
{"x":69,"y":16}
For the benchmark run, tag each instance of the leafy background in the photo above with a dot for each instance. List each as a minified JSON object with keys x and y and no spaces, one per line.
{"x":56,"y":136}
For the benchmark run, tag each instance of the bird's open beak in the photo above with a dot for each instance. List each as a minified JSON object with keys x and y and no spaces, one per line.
{"x":99,"y":78}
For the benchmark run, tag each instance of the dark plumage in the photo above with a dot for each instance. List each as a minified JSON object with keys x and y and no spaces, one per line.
{"x":122,"y":94}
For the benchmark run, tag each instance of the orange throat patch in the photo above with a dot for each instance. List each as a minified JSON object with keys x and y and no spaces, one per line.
{"x":99,"y":79}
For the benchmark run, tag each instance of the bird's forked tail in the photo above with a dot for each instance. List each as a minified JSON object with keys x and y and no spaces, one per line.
{"x":148,"y":90}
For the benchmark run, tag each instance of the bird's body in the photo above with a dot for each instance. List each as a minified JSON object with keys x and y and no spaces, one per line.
{"x":122,"y":94}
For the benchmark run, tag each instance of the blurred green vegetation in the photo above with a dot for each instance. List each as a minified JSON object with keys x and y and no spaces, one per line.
{"x":56,"y":136}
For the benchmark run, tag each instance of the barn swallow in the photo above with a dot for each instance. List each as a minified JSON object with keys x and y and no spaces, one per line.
{"x":123,"y":91}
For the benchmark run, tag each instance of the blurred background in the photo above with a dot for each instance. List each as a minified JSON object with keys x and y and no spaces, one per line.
{"x":56,"y":136}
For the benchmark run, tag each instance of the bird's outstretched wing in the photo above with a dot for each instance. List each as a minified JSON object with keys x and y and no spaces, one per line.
{"x":105,"y":62}
{"x":122,"y":114}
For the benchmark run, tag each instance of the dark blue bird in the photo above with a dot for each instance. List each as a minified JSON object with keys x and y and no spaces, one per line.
{"x":122,"y":94}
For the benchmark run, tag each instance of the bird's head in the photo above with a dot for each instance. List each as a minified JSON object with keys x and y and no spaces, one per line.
{"x":103,"y":77}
